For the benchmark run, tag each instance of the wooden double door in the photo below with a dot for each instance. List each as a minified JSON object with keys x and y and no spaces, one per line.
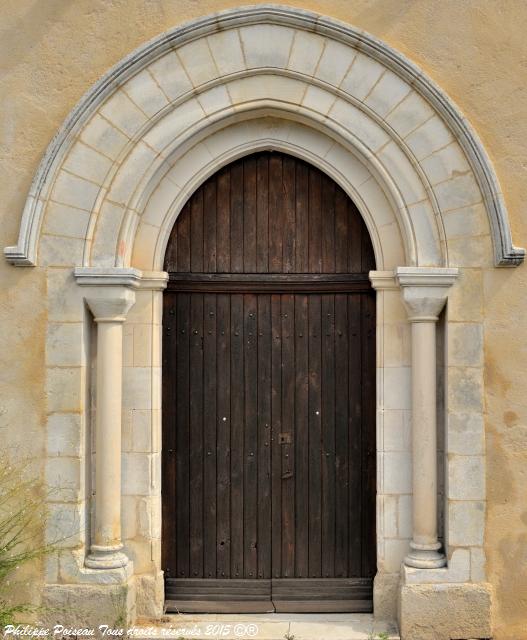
{"x":269,"y":395}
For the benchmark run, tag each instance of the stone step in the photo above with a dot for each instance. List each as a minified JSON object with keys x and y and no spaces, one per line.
{"x":270,"y":626}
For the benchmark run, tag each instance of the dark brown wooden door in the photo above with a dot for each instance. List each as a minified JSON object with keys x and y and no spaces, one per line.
{"x":269,"y":395}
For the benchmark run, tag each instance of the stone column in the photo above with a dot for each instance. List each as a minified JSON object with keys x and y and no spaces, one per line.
{"x":424,"y":293}
{"x":109,"y":298}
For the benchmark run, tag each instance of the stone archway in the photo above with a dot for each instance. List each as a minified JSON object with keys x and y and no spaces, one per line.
{"x":99,"y":214}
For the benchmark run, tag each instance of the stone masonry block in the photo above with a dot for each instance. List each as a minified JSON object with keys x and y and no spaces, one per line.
{"x":84,"y":606}
{"x":306,"y":52}
{"x":255,"y":39}
{"x":198,"y":62}
{"x":465,"y":389}
{"x":123,"y":113}
{"x":387,"y":93}
{"x":170,"y":75}
{"x":466,"y":523}
{"x":335,"y":62}
{"x":63,"y":220}
{"x":64,"y":434}
{"x":465,"y":344}
{"x":145,"y":92}
{"x":433,"y":134}
{"x":227,"y":51}
{"x":88,"y":163}
{"x":108,"y":140}
{"x":409,"y":114}
{"x":445,"y":611}
{"x":64,"y":344}
{"x":466,"y":477}
{"x":362,"y":76}
{"x":465,"y":434}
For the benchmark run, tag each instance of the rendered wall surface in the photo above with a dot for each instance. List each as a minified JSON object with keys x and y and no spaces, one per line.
{"x":53,"y":51}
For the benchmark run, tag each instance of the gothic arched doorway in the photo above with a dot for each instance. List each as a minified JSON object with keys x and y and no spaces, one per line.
{"x":269,"y":395}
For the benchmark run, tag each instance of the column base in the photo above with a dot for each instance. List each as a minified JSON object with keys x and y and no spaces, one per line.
{"x":106,"y":557}
{"x":425,"y":556}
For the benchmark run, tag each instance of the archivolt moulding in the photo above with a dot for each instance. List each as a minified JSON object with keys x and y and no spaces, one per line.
{"x":390,"y":71}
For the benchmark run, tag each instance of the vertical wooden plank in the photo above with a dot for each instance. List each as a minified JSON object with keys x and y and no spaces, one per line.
{"x":276,"y":421}
{"x":237,"y":435}
{"x":237,"y":217}
{"x":328,"y":225}
{"x":368,"y":449}
{"x":170,"y":262}
{"x":183,"y":239}
{"x":223,"y":221}
{"x":288,"y":436}
{"x":302,"y":218}
{"x":196,"y":231}
{"x":264,"y":436}
{"x":354,"y":239}
{"x":301,"y":436}
{"x":288,"y":206}
{"x":209,"y":225}
{"x":183,"y":433}
{"x":262,"y":213}
{"x":223,"y":443}
{"x":249,"y":215}
{"x":276,"y":217}
{"x":169,"y":434}
{"x":341,"y":231}
{"x":209,"y":435}
{"x":250,"y":492}
{"x":315,"y":436}
{"x":315,"y":221}
{"x":196,"y":435}
{"x":355,"y":435}
{"x":328,"y":435}
{"x":342,"y":506}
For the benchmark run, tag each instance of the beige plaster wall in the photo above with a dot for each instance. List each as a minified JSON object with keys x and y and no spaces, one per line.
{"x":51,"y":51}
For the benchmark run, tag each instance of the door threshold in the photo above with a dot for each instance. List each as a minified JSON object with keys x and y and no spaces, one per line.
{"x":268,"y":606}
{"x":219,"y":606}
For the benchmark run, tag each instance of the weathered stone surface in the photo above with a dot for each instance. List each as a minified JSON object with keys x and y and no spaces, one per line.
{"x":85,"y":606}
{"x":385,"y":595}
{"x":150,"y":592}
{"x":445,"y":612}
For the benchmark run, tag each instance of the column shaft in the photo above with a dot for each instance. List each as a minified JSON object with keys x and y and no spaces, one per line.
{"x":424,"y":434}
{"x":108,"y":434}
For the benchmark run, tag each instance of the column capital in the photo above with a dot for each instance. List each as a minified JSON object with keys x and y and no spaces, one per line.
{"x":425,"y":290}
{"x":110,"y":292}
{"x":383,"y":280}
